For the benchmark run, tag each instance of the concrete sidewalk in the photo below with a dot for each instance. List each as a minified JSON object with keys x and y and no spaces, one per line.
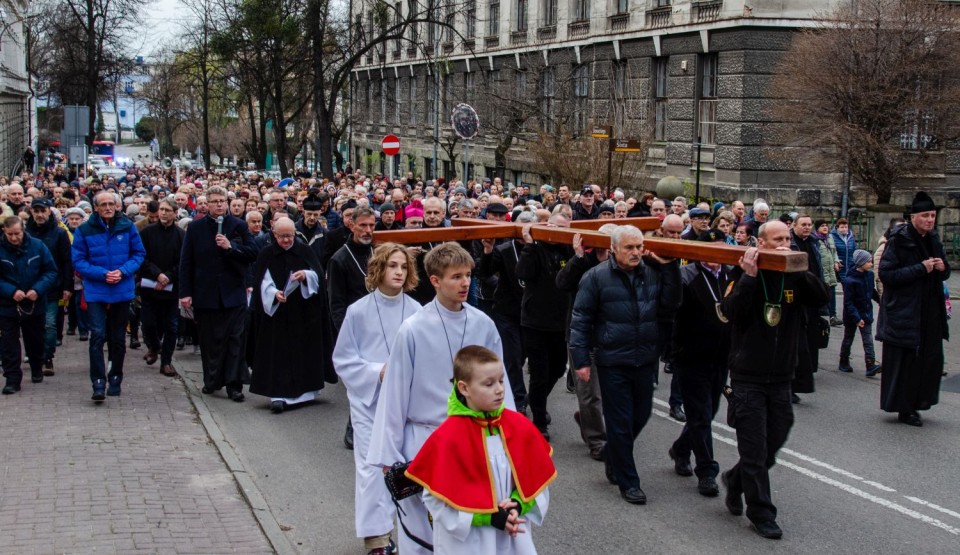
{"x":137,"y":474}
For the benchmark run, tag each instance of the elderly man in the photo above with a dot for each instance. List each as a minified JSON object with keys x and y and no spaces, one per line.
{"x":213,"y":265}
{"x":43,"y":226}
{"x":765,"y":309}
{"x":615,"y":324}
{"x":913,"y":322}
{"x":107,"y":252}
{"x":27,"y":273}
{"x":699,"y":222}
{"x":15,"y":198}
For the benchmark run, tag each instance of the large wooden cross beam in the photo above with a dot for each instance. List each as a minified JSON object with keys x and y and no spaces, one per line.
{"x":466,"y":229}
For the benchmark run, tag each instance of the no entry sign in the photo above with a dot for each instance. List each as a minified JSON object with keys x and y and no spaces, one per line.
{"x":390,"y":145}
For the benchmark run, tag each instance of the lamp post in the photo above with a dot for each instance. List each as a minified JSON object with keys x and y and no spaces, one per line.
{"x":696,"y":192}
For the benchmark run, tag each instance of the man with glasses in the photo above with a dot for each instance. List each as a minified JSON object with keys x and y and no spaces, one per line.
{"x":107,"y":252}
{"x":27,"y":274}
{"x":217,"y":251}
{"x":162,"y":242}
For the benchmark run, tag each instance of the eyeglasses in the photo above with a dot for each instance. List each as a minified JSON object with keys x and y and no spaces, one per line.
{"x":221,"y":201}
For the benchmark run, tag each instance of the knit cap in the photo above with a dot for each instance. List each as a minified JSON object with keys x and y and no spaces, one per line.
{"x":861,"y":257}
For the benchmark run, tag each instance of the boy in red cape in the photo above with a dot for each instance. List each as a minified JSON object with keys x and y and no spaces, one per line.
{"x":486,"y":469}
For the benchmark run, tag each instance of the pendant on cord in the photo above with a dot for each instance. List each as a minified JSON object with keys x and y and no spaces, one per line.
{"x":771,"y":313}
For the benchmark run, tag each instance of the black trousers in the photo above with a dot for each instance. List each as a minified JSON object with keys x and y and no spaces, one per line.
{"x":763,"y":416}
{"x":222,"y":347}
{"x":627,"y":402}
{"x":160,"y":318}
{"x":547,"y":361}
{"x":32,"y":327}
{"x":701,"y":388}
{"x":513,"y":356}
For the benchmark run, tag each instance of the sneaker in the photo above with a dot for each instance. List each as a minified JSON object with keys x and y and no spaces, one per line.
{"x":99,"y":388}
{"x":707,"y":487}
{"x":835,"y":322}
{"x":845,"y":366}
{"x":113,"y":390}
{"x":873,"y":369}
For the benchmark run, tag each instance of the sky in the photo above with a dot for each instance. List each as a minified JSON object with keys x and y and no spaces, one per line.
{"x":162,"y":18}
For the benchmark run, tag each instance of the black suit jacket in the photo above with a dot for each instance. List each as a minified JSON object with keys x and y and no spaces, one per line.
{"x":214,"y":277}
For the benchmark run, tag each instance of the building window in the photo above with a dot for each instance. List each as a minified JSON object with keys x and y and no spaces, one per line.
{"x":413,"y":100}
{"x":432,"y":15}
{"x":397,"y":22}
{"x":707,"y":109}
{"x":493,"y":19}
{"x":663,"y":3}
{"x":619,"y":97}
{"x":384,"y":95}
{"x":581,"y":10}
{"x":414,"y":27}
{"x":548,"y":92}
{"x":397,"y":100}
{"x":471,"y":19}
{"x":581,"y":93}
{"x":431,"y":106}
{"x":521,"y":15}
{"x":448,"y":21}
{"x":623,"y":6}
{"x":468,"y":86}
{"x":916,"y":133}
{"x":659,"y":72}
{"x":549,"y":13}
{"x":370,"y":93}
{"x":446,"y":97}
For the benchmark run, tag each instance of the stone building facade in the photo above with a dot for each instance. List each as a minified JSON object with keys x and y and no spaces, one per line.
{"x":700,"y":68}
{"x":14,"y":85}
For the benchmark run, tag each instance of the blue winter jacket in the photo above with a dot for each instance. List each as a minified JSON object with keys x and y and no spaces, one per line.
{"x":28,"y":266}
{"x":859,"y":292}
{"x":98,"y":249}
{"x":845,"y":248}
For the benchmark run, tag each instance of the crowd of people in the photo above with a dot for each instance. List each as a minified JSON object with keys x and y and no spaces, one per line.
{"x":443,"y":345}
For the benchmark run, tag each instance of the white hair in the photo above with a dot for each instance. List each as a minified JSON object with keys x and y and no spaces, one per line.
{"x":761,"y":207}
{"x":624,"y":232}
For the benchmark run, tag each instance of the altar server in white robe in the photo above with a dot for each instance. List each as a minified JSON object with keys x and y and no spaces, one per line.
{"x":360,"y":359}
{"x":418,"y":378}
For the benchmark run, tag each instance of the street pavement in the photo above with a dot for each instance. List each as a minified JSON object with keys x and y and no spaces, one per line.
{"x":850,"y":480}
{"x":137,"y":474}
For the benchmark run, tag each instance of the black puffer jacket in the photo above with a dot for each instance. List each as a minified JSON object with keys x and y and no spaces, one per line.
{"x":905,"y":281}
{"x":761,"y":353}
{"x":615,"y":314}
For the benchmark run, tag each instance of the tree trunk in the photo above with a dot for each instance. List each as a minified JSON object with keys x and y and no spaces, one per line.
{"x":92,"y":79}
{"x":325,"y":141}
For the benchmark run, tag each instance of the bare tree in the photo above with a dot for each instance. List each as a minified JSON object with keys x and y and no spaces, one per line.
{"x":167,"y":96}
{"x":873,"y":90}
{"x":84,"y":49}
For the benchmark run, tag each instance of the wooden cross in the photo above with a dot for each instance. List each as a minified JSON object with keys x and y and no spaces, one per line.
{"x":466,"y":229}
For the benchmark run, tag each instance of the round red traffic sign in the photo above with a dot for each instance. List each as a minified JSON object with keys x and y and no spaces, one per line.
{"x":390,"y":145}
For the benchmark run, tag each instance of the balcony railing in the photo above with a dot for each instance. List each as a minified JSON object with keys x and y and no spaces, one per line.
{"x":619,"y":22}
{"x":491,"y":42}
{"x":548,"y":32}
{"x":469,"y":45}
{"x":660,"y":17}
{"x":707,"y":10}
{"x":578,"y":28}
{"x":518,"y":37}
{"x":412,"y":51}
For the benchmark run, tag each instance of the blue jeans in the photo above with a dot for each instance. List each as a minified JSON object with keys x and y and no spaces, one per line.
{"x":108,"y":324}
{"x":76,"y":318}
{"x":627,"y":402}
{"x":866,"y":335}
{"x":50,"y":329}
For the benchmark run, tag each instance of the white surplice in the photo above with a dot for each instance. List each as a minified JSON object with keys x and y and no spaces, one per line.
{"x":413,"y":397}
{"x":361,"y":351}
{"x":268,"y":295}
{"x":453,"y":532}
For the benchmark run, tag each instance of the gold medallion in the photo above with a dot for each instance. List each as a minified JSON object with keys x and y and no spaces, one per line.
{"x":771,"y":313}
{"x":720,"y":316}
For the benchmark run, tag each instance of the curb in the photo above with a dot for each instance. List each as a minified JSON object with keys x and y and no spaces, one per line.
{"x":258,"y":505}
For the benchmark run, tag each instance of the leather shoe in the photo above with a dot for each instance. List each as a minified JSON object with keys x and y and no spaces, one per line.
{"x":768,"y":529}
{"x":634,"y":496}
{"x":276,"y":407}
{"x":733,"y":500}
{"x":608,"y":470}
{"x":207,"y":390}
{"x":236,"y":396}
{"x":348,"y":435}
{"x":151,"y":356}
{"x":10,"y":389}
{"x":708,"y":487}
{"x":677,"y":413}
{"x":598,"y":453}
{"x":910,"y":418}
{"x":168,"y":370}
{"x":37,"y":378}
{"x":681,"y":466}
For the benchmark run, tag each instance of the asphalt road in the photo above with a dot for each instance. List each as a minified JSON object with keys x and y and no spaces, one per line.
{"x":850,"y":480}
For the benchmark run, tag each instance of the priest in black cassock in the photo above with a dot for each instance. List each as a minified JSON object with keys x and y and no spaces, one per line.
{"x":291,"y":322}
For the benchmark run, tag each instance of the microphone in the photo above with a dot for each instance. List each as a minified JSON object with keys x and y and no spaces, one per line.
{"x":219,"y":225}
